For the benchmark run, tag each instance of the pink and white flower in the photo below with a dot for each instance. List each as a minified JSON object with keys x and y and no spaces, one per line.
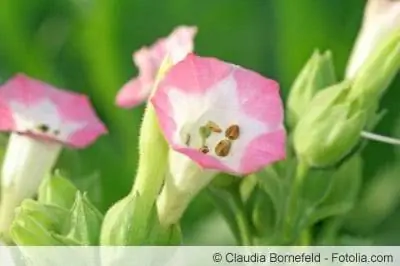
{"x":217,"y":117}
{"x":148,"y":59}
{"x":208,"y":95}
{"x":381,"y":17}
{"x":42,"y":119}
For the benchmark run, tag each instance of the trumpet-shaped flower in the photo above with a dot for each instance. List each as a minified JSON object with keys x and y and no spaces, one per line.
{"x":220,"y":115}
{"x":148,"y":59}
{"x":381,"y":18}
{"x":217,"y":117}
{"x":41,"y":120}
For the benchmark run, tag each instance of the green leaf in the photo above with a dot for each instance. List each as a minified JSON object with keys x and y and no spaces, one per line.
{"x":84,"y":223}
{"x":57,"y":190}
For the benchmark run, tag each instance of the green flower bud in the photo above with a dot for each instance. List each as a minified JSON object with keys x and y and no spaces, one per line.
{"x":51,"y":217}
{"x":378,"y":71}
{"x":330,"y":129}
{"x":124,"y":225}
{"x":317,"y":74}
{"x":57,"y":190}
{"x":36,"y":224}
{"x":84,"y":223}
{"x":28,"y":231}
{"x":119,"y":227}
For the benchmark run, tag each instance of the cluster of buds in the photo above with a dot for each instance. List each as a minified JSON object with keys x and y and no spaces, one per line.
{"x":336,"y":116}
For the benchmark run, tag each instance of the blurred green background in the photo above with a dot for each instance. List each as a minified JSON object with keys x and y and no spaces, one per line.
{"x":87,"y":45}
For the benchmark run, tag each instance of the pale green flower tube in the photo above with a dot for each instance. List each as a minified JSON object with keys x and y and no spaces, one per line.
{"x":126,"y":222}
{"x":184,"y":181}
{"x":381,"y":18}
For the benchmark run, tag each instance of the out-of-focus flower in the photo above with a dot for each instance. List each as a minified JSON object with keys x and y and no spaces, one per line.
{"x":148,"y":59}
{"x":381,"y":18}
{"x":41,"y":119}
{"x":217,"y":117}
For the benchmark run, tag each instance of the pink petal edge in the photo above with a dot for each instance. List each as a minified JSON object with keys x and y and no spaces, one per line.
{"x":72,"y":107}
{"x":148,"y":60}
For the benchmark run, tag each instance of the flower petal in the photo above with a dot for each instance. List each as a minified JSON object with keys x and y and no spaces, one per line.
{"x":149,"y":59}
{"x":199,"y":92}
{"x":133,"y":93}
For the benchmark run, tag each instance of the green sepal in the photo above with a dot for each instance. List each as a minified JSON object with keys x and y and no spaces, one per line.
{"x":317,"y":73}
{"x":57,"y":190}
{"x":84,"y":221}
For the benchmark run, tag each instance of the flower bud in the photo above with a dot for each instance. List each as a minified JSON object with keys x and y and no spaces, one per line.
{"x":84,"y":221}
{"x":125,"y":225}
{"x":330,"y":129}
{"x":58,"y":191}
{"x":36,"y":224}
{"x":117,"y":228}
{"x":317,"y":74}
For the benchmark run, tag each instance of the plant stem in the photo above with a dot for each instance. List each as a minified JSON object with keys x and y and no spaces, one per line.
{"x":294,"y":199}
{"x":242,"y":221}
{"x":380,"y":138}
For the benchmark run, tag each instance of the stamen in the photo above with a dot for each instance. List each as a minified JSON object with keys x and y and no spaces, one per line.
{"x":223,"y":147}
{"x":205,"y":132}
{"x":232,"y":132}
{"x":213,"y":127}
{"x":205,"y":149}
{"x":43,"y":128}
{"x":187,"y":141}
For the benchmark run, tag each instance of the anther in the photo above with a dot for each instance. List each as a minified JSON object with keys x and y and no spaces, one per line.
{"x":43,"y":128}
{"x":213,"y":127}
{"x":232,"y":132}
{"x":223,"y":147}
{"x":205,"y":149}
